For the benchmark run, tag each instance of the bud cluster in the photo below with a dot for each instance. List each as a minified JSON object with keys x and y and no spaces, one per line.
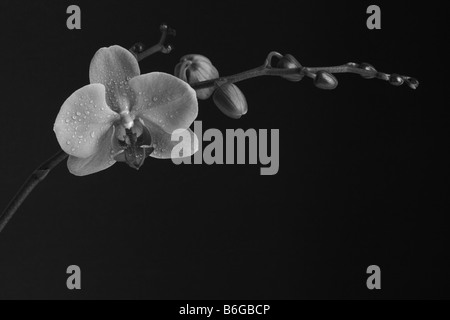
{"x":198,"y":71}
{"x":195,"y":68}
{"x":394,"y":79}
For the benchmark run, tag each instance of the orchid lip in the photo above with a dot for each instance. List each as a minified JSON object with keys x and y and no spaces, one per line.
{"x":136,"y":144}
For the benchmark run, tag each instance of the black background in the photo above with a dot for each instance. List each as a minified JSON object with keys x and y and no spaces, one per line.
{"x":354,"y":186}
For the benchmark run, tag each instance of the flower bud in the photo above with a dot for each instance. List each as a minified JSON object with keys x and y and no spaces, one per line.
{"x":396,"y":80}
{"x":412,"y":83}
{"x":194,"y":68}
{"x":138,"y":47}
{"x":289,"y":62}
{"x":353,"y":64}
{"x":230,"y":100}
{"x":325,"y":80}
{"x":368,"y":67}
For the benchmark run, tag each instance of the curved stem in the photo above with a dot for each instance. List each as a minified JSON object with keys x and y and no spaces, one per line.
{"x":253,"y":73}
{"x":266,"y":70}
{"x":43,"y":170}
{"x":33,"y":180}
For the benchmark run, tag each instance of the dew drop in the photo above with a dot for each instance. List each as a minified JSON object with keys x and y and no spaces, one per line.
{"x":92,"y":134}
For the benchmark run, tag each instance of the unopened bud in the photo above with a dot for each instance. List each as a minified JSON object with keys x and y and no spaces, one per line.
{"x":138,"y":47}
{"x":412,"y":83}
{"x":353,"y":64}
{"x":289,"y":62}
{"x":194,"y":68}
{"x":368,"y":67}
{"x":325,"y":80}
{"x":396,"y":80}
{"x":230,"y":100}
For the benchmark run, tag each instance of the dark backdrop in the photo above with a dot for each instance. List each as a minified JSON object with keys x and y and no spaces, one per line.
{"x":353,"y":187}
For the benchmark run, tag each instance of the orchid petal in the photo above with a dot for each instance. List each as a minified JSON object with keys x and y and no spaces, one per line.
{"x":114,"y":67}
{"x":82,"y":121}
{"x":99,"y":161}
{"x":164,"y":100}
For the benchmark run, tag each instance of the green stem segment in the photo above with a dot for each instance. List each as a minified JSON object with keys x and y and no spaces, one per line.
{"x":33,"y":180}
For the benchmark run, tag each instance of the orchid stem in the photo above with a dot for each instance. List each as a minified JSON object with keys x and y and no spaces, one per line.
{"x":364,"y":70}
{"x":140,"y":54}
{"x":267,"y":70}
{"x":33,"y":180}
{"x":43,"y":170}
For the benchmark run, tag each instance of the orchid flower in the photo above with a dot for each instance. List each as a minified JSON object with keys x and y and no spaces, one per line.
{"x":124,"y":116}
